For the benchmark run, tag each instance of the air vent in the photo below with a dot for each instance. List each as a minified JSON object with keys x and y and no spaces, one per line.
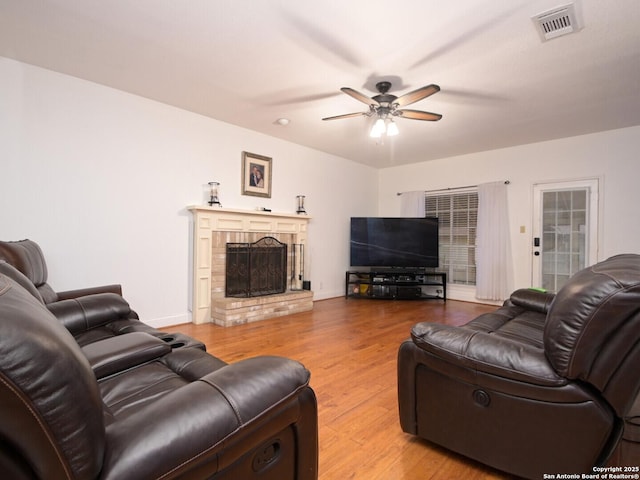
{"x":557,"y":22}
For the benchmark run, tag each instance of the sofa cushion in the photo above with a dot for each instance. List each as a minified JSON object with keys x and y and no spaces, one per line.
{"x":507,"y":343}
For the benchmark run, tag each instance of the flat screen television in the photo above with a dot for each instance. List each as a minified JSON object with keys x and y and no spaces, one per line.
{"x":407,"y":243}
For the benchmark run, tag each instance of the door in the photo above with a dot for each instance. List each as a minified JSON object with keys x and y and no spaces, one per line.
{"x":565,"y":231}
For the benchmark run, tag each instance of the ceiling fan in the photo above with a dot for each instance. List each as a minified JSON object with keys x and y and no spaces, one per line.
{"x":386,"y":106}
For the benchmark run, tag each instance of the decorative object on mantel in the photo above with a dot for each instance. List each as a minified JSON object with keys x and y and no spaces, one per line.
{"x":256,"y":175}
{"x":214,"y":200}
{"x":301,"y":210}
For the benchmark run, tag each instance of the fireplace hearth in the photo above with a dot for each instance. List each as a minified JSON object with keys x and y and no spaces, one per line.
{"x":256,"y":269}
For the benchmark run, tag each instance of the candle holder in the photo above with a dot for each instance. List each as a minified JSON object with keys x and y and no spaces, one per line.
{"x":301,"y":210}
{"x":213,"y":194}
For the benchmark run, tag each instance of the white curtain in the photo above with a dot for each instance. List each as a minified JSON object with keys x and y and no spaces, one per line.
{"x":493,"y":250}
{"x":412,"y":204}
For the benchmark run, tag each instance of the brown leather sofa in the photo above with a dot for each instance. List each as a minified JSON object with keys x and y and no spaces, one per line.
{"x":132,"y":407}
{"x":90,"y":314}
{"x":545,"y":384}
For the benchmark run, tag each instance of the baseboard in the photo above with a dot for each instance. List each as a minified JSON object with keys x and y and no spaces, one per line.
{"x":326,"y":295}
{"x":466,"y":293}
{"x":168,"y":321}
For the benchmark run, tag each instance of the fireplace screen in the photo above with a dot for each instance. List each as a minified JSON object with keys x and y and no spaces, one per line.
{"x":255,"y":269}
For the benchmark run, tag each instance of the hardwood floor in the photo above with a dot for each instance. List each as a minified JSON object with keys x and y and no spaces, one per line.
{"x":350,"y":347}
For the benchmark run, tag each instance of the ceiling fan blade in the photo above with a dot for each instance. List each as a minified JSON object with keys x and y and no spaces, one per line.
{"x":418,"y":115}
{"x":416,"y":95}
{"x":359,"y":96}
{"x":346,"y":115}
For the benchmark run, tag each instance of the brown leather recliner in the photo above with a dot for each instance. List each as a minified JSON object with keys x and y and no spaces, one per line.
{"x":542,"y":385}
{"x":90,"y":314}
{"x":146,"y":412}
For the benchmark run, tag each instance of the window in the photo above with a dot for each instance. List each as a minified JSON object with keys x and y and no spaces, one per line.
{"x":458,"y":215}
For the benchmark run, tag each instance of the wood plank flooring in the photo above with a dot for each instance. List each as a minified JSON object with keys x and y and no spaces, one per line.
{"x":350,"y":347}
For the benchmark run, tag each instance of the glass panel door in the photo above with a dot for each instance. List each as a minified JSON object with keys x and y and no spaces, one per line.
{"x":565,"y":231}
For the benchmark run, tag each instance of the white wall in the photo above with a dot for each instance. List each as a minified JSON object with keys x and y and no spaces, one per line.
{"x":610,"y":156}
{"x":101,"y":178}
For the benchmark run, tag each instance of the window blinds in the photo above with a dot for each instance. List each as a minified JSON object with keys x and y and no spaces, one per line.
{"x":458,"y":216}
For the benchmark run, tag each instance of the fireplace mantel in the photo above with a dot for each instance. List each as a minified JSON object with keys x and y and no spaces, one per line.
{"x":209,"y":220}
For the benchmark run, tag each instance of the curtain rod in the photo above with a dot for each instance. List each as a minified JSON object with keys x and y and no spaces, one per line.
{"x":506,"y":182}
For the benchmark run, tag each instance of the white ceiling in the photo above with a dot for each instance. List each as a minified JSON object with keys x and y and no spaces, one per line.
{"x":250,"y":62}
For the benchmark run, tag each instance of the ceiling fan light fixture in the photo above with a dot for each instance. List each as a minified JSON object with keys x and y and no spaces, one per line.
{"x":392,"y":129}
{"x":378,"y":128}
{"x":384,"y":106}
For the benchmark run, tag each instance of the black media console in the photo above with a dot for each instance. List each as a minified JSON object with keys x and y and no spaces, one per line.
{"x":396,"y":285}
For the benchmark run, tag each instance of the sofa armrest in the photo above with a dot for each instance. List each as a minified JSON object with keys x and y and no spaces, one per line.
{"x":83,"y":313}
{"x":193,"y":427}
{"x":116,"y":354}
{"x":531,"y":299}
{"x":255,"y":385}
{"x":81,"y":292}
{"x":484,"y":352}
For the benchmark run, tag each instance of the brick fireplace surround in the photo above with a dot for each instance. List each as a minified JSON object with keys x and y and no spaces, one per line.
{"x":213,"y":228}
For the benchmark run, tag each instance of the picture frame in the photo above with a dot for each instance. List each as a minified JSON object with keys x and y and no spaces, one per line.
{"x":256,"y":175}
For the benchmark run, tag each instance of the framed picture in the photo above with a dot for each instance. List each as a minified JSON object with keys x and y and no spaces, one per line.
{"x":256,"y":175}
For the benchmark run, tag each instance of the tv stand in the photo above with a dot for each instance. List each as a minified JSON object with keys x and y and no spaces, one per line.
{"x":405,"y":285}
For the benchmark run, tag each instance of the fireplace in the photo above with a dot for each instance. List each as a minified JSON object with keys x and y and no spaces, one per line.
{"x":256,"y":269}
{"x":213,"y":229}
